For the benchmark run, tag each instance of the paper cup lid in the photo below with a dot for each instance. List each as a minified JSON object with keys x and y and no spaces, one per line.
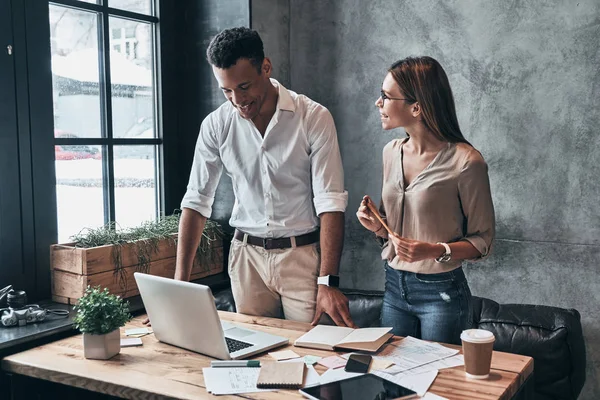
{"x":477,"y":336}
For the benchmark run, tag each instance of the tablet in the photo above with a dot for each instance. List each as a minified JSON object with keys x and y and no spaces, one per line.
{"x":360,"y":387}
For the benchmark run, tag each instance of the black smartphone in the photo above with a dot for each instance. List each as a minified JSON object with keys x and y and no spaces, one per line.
{"x":358,"y":363}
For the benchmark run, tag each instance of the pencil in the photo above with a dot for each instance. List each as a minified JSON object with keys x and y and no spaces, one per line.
{"x":375,"y":212}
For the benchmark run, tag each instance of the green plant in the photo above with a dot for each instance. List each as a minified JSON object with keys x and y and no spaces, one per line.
{"x":100,"y":312}
{"x":145,"y":238}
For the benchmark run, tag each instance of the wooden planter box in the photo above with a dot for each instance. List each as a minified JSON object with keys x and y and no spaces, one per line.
{"x":73,"y":268}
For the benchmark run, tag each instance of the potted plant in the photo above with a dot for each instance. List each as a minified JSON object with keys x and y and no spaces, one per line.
{"x":99,"y":317}
{"x":108,"y":257}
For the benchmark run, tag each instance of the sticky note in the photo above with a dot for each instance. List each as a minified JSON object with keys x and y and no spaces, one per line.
{"x":137,"y":331}
{"x":377,"y":364}
{"x":284,"y":355}
{"x":131,"y":342}
{"x":332,"y":362}
{"x":310,"y":360}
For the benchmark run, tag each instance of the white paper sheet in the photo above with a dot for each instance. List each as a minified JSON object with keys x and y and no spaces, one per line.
{"x":332,"y":375}
{"x":231,"y":380}
{"x":448,"y":362}
{"x":411,"y":353}
{"x":432,"y":396}
{"x":311,"y":377}
{"x":420,"y":383}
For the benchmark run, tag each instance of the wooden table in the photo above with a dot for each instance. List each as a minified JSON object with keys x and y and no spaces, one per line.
{"x":158,"y":370}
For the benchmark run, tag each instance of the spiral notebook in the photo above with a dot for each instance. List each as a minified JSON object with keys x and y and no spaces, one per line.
{"x":280,"y":375}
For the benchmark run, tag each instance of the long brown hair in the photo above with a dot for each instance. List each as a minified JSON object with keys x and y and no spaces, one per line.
{"x":423,"y":80}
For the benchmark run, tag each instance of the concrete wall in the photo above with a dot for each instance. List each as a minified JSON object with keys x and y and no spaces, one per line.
{"x":527,"y":86}
{"x":198,"y":93}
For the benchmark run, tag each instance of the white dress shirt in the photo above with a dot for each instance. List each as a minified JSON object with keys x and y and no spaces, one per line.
{"x":281,"y":182}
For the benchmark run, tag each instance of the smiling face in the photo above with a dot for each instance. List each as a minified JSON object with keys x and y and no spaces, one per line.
{"x":394,"y":110}
{"x":244,"y":86}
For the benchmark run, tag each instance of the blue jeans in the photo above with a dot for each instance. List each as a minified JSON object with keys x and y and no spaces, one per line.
{"x":434,"y":307}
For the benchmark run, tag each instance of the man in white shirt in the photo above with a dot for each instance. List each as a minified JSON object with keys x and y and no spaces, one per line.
{"x":281,"y":151}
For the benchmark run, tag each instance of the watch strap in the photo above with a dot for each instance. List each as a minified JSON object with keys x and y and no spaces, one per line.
{"x":446,"y":256}
{"x":329,"y":280}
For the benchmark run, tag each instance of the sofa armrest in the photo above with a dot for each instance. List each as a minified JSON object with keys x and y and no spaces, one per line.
{"x":365,"y":307}
{"x":551,"y":335}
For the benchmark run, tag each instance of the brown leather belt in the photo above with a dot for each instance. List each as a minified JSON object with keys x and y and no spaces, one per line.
{"x":278,"y":243}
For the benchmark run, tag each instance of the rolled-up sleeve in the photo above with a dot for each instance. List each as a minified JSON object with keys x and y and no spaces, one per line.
{"x":476,"y":200}
{"x":326,"y":163}
{"x":206,"y":170}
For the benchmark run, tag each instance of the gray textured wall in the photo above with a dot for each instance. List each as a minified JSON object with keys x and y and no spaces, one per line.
{"x":199,"y":93}
{"x":527,"y":86}
{"x":273,"y":16}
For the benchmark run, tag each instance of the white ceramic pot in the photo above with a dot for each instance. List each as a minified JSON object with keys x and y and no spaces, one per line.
{"x":102,"y":347}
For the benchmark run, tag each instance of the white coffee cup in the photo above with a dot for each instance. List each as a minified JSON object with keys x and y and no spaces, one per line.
{"x":478,"y":345}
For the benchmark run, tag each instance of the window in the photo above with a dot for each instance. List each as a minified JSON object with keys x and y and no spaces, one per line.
{"x":107,"y":143}
{"x":124,"y":41}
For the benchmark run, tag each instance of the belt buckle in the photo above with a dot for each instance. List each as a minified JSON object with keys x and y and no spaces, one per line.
{"x":268,"y":243}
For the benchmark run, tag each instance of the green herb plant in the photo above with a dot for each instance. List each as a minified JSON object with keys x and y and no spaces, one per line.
{"x":145,"y":238}
{"x":100,"y":312}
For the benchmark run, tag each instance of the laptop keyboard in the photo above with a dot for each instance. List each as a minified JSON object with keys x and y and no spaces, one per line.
{"x":236,"y":345}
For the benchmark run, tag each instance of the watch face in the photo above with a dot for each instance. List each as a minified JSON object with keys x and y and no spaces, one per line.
{"x":445,"y":258}
{"x":334,"y":281}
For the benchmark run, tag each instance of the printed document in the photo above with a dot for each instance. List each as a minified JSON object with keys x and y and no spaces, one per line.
{"x":231,"y":380}
{"x":410,"y":353}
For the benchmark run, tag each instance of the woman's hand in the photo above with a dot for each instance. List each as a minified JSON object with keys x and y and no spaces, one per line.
{"x":366,"y":217}
{"x":413,"y":250}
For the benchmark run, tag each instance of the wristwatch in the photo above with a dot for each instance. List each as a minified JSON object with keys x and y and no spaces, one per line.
{"x":329,"y":280}
{"x":444,"y":258}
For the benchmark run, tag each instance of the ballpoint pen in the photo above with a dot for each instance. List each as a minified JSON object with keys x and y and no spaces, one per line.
{"x":234,"y":363}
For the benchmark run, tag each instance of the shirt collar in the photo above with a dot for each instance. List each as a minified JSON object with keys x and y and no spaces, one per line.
{"x":284,"y":100}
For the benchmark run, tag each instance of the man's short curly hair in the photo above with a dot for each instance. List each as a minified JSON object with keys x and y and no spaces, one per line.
{"x":232,"y":44}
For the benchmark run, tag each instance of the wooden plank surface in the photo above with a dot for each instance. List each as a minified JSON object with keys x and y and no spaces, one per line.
{"x":68,"y":287}
{"x":157,"y":370}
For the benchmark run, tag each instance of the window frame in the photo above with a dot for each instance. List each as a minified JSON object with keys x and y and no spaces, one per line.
{"x":107,"y":141}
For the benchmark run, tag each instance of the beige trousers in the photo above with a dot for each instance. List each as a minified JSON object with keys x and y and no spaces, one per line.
{"x":274,"y":283}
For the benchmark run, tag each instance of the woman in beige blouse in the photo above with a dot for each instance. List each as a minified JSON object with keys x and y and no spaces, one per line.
{"x":436,"y":199}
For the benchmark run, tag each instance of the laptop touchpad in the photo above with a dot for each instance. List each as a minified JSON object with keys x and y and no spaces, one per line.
{"x":238,"y":332}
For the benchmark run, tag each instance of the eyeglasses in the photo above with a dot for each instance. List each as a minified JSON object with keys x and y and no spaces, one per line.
{"x":385,"y":97}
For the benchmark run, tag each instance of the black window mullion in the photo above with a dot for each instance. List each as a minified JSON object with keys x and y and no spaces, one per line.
{"x":157,"y":107}
{"x":108,"y":181}
{"x":104,"y":8}
{"x":105,"y":141}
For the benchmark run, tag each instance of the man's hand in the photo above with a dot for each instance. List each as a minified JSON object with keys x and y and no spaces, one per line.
{"x":413,"y":250}
{"x":333,"y":303}
{"x":147,"y":322}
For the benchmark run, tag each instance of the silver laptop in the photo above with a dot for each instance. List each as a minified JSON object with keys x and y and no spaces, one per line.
{"x":184,"y":314}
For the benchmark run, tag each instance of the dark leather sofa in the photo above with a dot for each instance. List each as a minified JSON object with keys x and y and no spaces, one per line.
{"x":551,"y":335}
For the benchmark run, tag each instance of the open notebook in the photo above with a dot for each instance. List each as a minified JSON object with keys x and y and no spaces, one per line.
{"x":326,"y":337}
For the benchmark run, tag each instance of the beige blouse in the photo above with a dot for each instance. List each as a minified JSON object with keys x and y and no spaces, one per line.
{"x":448,"y":201}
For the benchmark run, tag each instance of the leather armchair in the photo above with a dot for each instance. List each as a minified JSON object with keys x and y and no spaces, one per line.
{"x":552,"y":336}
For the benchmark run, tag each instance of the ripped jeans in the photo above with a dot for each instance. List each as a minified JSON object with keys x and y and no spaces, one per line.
{"x":434,"y":307}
